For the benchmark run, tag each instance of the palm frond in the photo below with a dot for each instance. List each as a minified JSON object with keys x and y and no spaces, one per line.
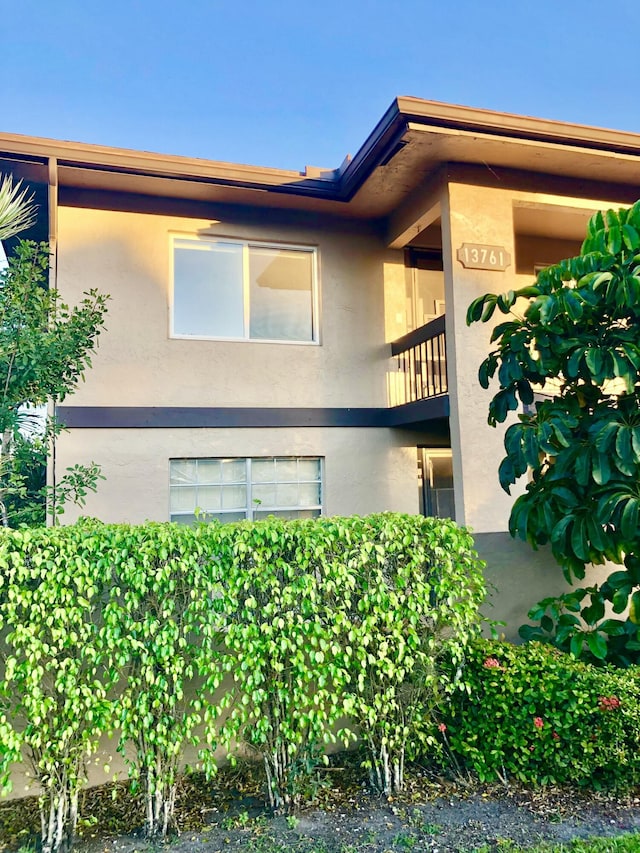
{"x":17,"y":210}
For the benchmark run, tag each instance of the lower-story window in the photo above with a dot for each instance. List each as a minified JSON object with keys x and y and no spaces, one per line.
{"x":232,"y":489}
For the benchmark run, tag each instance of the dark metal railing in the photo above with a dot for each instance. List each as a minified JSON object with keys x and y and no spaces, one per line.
{"x":421,"y":363}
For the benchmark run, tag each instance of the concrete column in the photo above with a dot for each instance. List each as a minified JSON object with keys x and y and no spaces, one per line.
{"x":472,"y":214}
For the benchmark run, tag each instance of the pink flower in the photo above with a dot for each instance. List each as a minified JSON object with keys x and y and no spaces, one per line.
{"x":442,"y":727}
{"x":608,"y":703}
{"x":538,"y":722}
{"x":492,"y":663}
{"x":555,"y":736}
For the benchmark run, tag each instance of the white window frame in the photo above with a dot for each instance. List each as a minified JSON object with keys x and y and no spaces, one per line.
{"x":246,"y":287}
{"x":251,"y":508}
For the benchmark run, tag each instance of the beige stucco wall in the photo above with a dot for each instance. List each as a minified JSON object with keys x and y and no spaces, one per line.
{"x":518,"y":577}
{"x":363,"y":295}
{"x":137,"y":364}
{"x":365,"y":470}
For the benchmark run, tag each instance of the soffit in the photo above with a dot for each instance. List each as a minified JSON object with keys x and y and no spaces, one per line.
{"x":544,"y":220}
{"x":427,"y":148}
{"x":282,"y":195}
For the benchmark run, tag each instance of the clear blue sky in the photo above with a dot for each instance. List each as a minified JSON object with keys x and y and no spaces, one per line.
{"x":285,"y":84}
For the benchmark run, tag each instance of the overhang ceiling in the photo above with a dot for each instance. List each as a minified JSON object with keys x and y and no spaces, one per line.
{"x":543,"y":220}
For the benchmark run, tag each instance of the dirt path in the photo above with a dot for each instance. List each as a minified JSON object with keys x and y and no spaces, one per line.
{"x":482,"y":821}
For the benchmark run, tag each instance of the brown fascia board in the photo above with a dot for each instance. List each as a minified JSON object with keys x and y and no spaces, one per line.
{"x":515,"y":126}
{"x":102,"y":159}
{"x":378,"y":148}
{"x":341,"y":186}
{"x":387,"y":135}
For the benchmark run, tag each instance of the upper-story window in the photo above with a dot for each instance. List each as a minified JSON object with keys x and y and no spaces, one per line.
{"x":243,"y":291}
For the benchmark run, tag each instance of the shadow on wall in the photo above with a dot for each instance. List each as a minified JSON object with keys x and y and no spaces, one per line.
{"x":521,"y":577}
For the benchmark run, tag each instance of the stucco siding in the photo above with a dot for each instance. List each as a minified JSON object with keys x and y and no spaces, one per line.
{"x":365,"y":470}
{"x":127,"y":255}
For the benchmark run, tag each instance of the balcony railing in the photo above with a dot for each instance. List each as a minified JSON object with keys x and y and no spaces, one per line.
{"x":421,"y":364}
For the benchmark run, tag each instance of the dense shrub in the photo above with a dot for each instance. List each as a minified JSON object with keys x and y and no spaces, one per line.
{"x":160,"y":631}
{"x":536,"y":714}
{"x":417,"y":587}
{"x":53,"y":682}
{"x":341,"y":617}
{"x":134,"y":628}
{"x":282,"y":648}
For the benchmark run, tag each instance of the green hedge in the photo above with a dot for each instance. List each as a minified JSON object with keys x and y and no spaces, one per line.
{"x":536,"y":714}
{"x":268,"y":633}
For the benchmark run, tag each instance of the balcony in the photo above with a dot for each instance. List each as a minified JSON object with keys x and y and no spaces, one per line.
{"x":418,"y":387}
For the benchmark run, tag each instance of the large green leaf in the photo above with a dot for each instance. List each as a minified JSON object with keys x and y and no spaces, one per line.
{"x":597,"y":645}
{"x":629,"y":519}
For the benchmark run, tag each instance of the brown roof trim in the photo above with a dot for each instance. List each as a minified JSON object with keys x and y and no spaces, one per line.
{"x":519,"y":127}
{"x":342,"y":185}
{"x":404,"y":110}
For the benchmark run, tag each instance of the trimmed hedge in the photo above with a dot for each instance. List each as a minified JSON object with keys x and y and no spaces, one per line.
{"x":135,"y":628}
{"x":536,"y":714}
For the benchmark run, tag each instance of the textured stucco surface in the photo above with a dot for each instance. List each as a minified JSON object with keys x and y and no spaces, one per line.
{"x":365,"y":470}
{"x":127,"y":255}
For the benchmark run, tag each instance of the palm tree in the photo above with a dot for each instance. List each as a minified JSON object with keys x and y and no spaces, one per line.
{"x":17,"y":210}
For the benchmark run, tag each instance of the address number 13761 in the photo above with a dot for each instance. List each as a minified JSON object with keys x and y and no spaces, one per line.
{"x":478,"y":256}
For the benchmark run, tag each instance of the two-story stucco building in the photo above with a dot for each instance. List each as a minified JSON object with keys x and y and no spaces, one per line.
{"x":295,"y":342}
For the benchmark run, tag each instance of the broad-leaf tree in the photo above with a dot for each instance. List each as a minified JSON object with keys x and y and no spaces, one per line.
{"x":569,"y":354}
{"x":45,"y":347}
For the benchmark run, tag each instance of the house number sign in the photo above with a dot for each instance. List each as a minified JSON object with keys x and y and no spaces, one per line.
{"x":479,"y":256}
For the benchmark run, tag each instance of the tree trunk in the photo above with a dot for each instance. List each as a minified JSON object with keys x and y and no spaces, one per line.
{"x":5,"y":457}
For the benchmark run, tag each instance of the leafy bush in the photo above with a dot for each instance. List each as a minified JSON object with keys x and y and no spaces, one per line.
{"x":536,"y":714}
{"x":134,"y":628}
{"x":282,"y":628}
{"x":158,"y":611}
{"x":416,"y":589}
{"x":90,"y":613}
{"x":577,"y":621}
{"x":340,"y":617}
{"x":53,"y":685}
{"x":577,"y":328}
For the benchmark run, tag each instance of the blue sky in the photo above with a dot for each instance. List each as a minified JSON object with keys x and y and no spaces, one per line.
{"x":285,"y":84}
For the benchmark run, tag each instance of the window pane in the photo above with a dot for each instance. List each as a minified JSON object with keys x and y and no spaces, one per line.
{"x":263,"y":470}
{"x":183,"y":471}
{"x":183,"y":499}
{"x":209,"y":497}
{"x":184,"y":519}
{"x":208,"y":470}
{"x":234,"y":470}
{"x":287,"y":469}
{"x":309,"y":494}
{"x":281,"y":294}
{"x":265,"y":494}
{"x":288,"y":513}
{"x":226,"y":517}
{"x":234,"y":497}
{"x":287,"y":494}
{"x":308,"y":469}
{"x":445,"y":503}
{"x":208,"y":289}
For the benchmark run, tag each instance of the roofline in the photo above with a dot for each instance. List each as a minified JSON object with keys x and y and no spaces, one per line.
{"x":342,"y":184}
{"x":517,"y":126}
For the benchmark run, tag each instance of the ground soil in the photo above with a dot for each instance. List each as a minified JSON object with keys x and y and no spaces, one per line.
{"x":436,"y":815}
